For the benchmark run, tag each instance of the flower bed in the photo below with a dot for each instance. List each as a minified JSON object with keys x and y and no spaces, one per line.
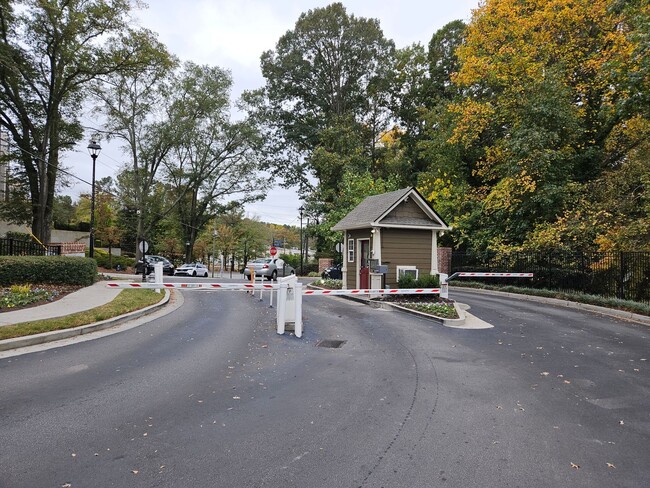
{"x":429,"y":304}
{"x":22,"y":296}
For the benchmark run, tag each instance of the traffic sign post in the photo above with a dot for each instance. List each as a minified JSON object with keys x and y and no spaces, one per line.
{"x":144,"y":247}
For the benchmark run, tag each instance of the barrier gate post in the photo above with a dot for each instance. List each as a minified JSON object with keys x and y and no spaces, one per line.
{"x":158,"y":275}
{"x":282,"y":308}
{"x":298,"y":310}
{"x":444,"y":285}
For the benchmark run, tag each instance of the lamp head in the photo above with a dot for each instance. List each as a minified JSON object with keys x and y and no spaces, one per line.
{"x":94,"y":149}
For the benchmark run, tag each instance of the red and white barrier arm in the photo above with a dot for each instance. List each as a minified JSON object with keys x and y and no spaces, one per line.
{"x":378,"y":291}
{"x":249,"y":286}
{"x":480,"y":274}
{"x":497,"y":275}
{"x":212,"y":286}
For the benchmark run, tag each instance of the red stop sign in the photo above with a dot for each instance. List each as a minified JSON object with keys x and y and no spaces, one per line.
{"x":273,"y":251}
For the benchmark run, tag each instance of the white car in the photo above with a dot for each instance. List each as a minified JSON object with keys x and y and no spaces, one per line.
{"x":192,"y":269}
{"x":270,"y":268}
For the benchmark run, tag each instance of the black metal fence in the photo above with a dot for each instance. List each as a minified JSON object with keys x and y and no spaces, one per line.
{"x":624,"y":275}
{"x":16,"y":247}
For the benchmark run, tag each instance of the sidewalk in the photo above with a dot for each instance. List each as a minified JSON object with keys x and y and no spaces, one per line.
{"x":79,"y":301}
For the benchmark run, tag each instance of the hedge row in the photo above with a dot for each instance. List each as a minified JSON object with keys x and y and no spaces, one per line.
{"x":47,"y":269}
{"x":423,"y":281}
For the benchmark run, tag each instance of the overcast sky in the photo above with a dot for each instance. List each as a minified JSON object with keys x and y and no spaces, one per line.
{"x":232,"y":34}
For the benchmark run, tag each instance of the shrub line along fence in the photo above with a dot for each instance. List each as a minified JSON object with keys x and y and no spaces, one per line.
{"x":16,"y":247}
{"x":623,"y":275}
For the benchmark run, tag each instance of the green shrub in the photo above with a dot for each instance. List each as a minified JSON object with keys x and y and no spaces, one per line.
{"x":423,"y":281}
{"x":47,"y":269}
{"x":103,"y":260}
{"x":292,"y":260}
{"x":19,"y":236}
{"x":427,"y":281}
{"x":406,"y":281}
{"x":331,"y":284}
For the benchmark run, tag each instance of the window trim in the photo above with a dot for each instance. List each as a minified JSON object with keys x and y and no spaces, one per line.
{"x":400,"y":269}
{"x":350,"y":250}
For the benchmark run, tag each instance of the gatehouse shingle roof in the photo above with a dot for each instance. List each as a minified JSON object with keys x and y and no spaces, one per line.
{"x":370,"y":211}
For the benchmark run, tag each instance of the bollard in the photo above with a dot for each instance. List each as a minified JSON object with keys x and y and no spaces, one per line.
{"x":282,"y":307}
{"x":158,"y":275}
{"x":298,"y":310}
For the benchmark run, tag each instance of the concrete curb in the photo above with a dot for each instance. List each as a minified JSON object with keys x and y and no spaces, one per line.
{"x":58,"y":335}
{"x":620,"y":314}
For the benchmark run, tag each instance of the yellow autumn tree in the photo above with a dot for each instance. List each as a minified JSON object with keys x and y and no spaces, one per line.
{"x":545,"y":101}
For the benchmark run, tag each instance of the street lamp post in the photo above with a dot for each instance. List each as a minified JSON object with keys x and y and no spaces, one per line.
{"x":301,"y":209}
{"x":187,"y":252}
{"x":94,"y":150}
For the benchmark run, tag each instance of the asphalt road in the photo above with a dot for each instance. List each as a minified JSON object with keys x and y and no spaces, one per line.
{"x":210,"y":396}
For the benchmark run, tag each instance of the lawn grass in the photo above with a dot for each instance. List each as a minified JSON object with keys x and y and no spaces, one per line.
{"x":127,"y":301}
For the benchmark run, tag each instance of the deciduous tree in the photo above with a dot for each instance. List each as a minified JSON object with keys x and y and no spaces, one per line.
{"x":50,"y":52}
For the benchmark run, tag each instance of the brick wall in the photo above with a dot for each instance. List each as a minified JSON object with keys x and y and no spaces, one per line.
{"x":324,"y":263}
{"x":444,"y":260}
{"x":70,"y":247}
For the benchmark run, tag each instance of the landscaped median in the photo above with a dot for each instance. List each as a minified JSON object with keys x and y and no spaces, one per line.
{"x":129,"y":304}
{"x":440,"y":310}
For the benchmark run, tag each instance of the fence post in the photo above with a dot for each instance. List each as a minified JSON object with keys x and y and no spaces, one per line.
{"x":621,"y":275}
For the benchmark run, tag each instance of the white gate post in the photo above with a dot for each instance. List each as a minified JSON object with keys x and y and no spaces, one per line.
{"x":298,"y":322}
{"x":282,"y":306}
{"x":444,"y":285}
{"x":158,"y":275}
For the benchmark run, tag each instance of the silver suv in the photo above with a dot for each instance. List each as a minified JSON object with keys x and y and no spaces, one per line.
{"x":270,"y":268}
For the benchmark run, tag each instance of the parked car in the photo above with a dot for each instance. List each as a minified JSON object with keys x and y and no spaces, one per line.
{"x":168,"y":267}
{"x":192,"y":269}
{"x":333,"y":272}
{"x":270,"y":268}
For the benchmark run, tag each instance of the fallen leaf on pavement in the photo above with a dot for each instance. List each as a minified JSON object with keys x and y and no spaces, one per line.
{"x":575,"y":466}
